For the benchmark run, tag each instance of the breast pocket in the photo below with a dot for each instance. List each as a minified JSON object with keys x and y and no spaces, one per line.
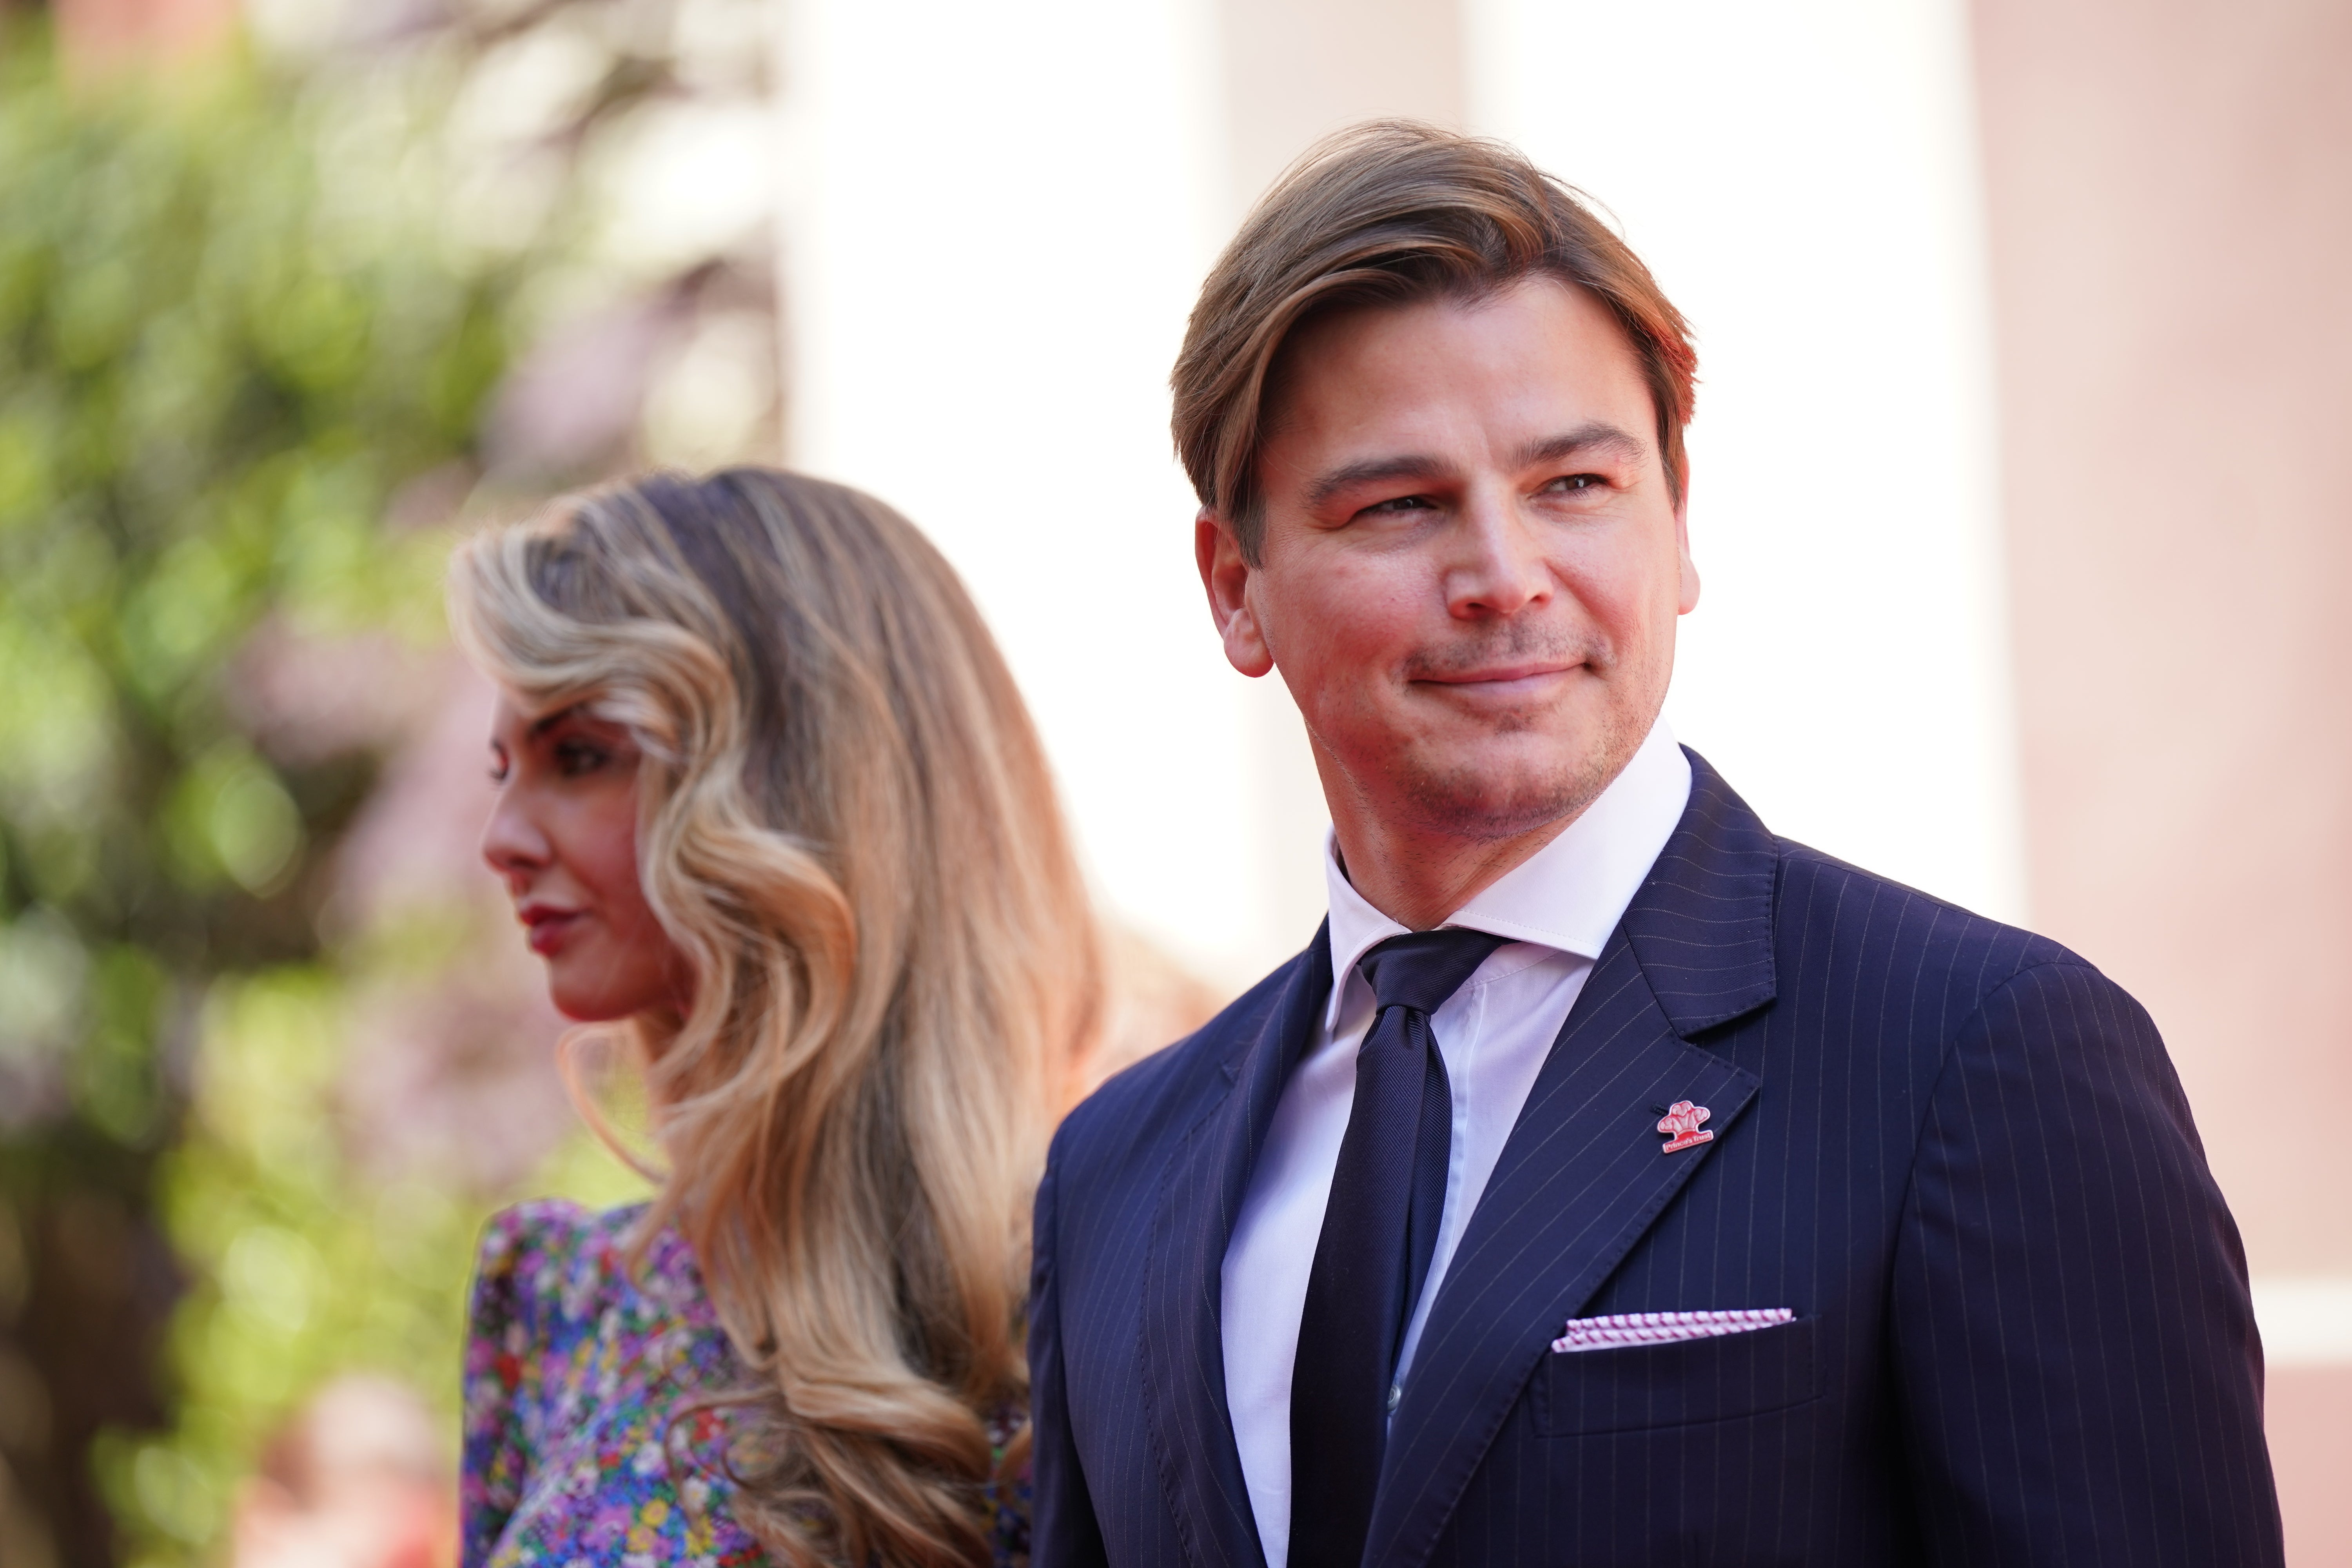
{"x":1633,"y":1387}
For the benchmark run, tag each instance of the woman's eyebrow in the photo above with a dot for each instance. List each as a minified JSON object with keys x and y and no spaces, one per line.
{"x":542,"y":726}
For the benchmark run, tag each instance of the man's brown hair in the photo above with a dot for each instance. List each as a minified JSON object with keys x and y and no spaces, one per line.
{"x":1383,"y":214}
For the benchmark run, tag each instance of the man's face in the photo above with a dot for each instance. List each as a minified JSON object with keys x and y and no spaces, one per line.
{"x":1471,"y":565}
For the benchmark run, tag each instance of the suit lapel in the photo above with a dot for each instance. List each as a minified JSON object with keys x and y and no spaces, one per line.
{"x":1583,"y":1176}
{"x":1183,"y":1348}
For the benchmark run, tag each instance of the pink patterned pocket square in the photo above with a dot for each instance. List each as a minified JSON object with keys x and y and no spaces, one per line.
{"x":1658,"y":1328}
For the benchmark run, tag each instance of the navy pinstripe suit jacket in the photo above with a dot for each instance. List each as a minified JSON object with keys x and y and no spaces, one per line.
{"x":1956,"y":1150}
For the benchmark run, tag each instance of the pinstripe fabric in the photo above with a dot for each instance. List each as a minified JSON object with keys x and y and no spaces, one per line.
{"x":1957,"y":1150}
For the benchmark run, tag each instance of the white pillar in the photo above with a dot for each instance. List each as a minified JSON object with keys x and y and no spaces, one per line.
{"x":996,"y":219}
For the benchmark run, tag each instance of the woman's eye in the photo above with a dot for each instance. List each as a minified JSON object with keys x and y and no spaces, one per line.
{"x":574,"y":758}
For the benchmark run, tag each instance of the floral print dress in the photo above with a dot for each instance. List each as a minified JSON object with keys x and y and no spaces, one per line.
{"x":576,"y":1370}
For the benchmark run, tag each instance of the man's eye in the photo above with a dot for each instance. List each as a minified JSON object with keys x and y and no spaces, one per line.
{"x":1576,"y":482}
{"x":1401,"y":504}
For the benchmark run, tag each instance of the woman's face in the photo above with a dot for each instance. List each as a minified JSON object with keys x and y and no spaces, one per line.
{"x":563,"y":836}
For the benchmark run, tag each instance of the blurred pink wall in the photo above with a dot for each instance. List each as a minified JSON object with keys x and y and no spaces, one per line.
{"x":2170,"y":199}
{"x":101,"y":35}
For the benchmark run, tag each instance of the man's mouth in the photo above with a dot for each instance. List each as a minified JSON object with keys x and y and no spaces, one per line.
{"x":1521,"y":677}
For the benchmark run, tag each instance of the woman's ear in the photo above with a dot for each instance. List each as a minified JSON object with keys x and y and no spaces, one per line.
{"x":1225,"y":575}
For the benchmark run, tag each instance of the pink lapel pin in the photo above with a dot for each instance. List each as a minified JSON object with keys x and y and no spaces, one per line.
{"x":1680,"y":1123}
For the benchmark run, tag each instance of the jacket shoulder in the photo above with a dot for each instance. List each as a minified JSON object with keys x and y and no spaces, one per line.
{"x":1829,"y":914}
{"x":1159,"y":1096}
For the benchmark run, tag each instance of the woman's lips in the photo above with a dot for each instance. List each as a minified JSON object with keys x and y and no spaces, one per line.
{"x":550,"y":928}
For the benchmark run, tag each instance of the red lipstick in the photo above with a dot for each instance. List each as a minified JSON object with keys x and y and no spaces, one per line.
{"x":548,"y":926}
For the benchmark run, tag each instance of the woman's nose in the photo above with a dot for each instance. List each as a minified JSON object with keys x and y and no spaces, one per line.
{"x":512,"y":844}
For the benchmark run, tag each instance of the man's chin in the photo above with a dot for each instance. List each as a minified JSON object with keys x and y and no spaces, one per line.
{"x":1500,"y":786}
{"x":1481,"y":806}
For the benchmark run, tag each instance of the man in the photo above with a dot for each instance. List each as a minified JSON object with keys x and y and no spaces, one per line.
{"x":1609,"y":1182}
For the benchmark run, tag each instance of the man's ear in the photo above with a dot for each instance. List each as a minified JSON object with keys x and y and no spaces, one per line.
{"x":1689,"y":597}
{"x":1225,"y":573}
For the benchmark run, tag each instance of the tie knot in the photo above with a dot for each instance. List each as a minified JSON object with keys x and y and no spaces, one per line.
{"x":1422,"y":969}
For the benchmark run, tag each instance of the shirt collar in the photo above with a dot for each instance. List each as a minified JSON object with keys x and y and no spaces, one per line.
{"x":1569,"y":895}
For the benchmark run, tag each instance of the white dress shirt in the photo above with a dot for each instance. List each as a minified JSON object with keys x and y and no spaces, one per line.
{"x":1557,"y":908}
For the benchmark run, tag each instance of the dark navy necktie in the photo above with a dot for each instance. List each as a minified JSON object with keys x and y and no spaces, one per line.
{"x":1387,"y":1193}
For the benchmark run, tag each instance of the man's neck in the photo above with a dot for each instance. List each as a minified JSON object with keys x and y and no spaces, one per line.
{"x":1417,"y":877}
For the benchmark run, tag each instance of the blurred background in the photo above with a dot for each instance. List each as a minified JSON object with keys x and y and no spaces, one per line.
{"x":2019,"y":493}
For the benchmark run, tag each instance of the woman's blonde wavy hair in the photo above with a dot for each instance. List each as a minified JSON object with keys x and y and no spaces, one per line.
{"x":847,"y":827}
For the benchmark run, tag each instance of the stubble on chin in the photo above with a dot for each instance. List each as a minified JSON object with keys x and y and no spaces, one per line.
{"x":1486,"y":805}
{"x":1463,"y":799}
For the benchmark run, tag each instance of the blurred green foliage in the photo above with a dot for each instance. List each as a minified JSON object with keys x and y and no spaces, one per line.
{"x":216,"y":361}
{"x":312,"y":1267}
{"x":230,"y":331}
{"x":252,"y":318}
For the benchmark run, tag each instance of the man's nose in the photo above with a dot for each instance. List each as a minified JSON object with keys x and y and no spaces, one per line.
{"x":1498,"y":567}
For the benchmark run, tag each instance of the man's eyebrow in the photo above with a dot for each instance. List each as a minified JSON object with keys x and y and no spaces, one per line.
{"x":1586,"y":440}
{"x":1594,"y":436}
{"x":1372,"y":471}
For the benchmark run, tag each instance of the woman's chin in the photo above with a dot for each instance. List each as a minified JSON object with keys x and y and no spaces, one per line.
{"x":587,"y":994}
{"x":582,"y":999}
{"x":591,"y":1009}
{"x":601,"y":971}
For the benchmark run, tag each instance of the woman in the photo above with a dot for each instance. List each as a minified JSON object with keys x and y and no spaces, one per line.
{"x":770,"y":803}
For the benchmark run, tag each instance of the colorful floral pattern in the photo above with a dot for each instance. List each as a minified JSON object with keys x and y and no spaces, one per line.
{"x":575,"y":1369}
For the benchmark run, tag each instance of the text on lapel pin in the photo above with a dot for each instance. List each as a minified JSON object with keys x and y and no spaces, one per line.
{"x":1681,"y":1124}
